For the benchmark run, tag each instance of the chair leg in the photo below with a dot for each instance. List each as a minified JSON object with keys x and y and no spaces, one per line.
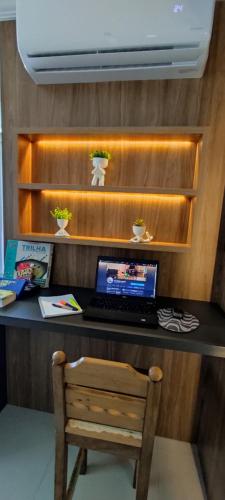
{"x":83,"y":468}
{"x":61,"y":456}
{"x":135,"y":475}
{"x":75,"y":473}
{"x":143,"y":476}
{"x":143,"y":471}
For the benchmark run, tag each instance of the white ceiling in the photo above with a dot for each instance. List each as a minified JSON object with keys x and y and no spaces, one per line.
{"x":7,"y":9}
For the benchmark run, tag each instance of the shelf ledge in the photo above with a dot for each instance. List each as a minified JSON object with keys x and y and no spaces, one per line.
{"x":190,"y":193}
{"x":107,"y":242}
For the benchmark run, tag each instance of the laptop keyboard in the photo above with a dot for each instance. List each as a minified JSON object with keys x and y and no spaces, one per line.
{"x":113,"y":304}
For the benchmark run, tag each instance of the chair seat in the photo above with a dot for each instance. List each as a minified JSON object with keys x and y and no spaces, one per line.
{"x":104,"y":432}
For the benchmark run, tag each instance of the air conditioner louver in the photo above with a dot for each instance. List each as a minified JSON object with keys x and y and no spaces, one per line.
{"x":114,"y":50}
{"x":191,"y":64}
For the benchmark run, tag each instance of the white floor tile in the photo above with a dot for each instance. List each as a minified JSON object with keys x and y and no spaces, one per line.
{"x":27,"y":465}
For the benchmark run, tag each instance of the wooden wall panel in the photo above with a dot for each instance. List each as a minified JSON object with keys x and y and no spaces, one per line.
{"x":218,"y":292}
{"x":110,"y":216}
{"x":137,"y":162}
{"x":211,"y":435}
{"x":24,"y":158}
{"x":29,"y":373}
{"x":81,"y":265}
{"x":147,"y":103}
{"x":211,"y":428}
{"x":25,"y":211}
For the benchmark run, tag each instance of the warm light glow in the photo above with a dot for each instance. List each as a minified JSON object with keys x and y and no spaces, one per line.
{"x":115,"y":143}
{"x":123,"y":196}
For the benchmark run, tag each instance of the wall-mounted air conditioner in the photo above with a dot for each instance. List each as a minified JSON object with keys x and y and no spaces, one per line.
{"x":104,"y":40}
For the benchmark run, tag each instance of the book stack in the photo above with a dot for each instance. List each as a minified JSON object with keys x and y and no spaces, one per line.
{"x":27,"y":267}
{"x":16,"y":286}
{"x":6,"y":297}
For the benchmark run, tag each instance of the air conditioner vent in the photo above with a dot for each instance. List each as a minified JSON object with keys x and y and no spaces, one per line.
{"x":115,"y":50}
{"x":113,"y":66}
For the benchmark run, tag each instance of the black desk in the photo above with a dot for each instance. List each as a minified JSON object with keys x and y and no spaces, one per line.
{"x":208,"y":339}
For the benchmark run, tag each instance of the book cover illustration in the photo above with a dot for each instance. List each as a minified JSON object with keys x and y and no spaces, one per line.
{"x":28,"y":260}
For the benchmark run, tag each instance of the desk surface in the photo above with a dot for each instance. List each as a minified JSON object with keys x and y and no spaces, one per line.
{"x":208,"y":339}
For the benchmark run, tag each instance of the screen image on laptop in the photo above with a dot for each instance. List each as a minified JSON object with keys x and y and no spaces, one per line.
{"x":127,"y":277}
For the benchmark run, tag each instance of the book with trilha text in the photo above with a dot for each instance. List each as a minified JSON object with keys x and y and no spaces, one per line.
{"x":29,"y":260}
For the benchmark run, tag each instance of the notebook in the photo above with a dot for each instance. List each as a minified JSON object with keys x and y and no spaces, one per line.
{"x":59,"y":305}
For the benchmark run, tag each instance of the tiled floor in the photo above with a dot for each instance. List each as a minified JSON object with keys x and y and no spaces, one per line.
{"x":27,"y":465}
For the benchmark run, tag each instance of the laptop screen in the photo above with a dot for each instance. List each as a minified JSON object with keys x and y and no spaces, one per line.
{"x":136,"y":278}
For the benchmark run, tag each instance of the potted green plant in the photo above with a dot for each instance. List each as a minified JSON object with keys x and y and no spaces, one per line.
{"x":62,"y":216}
{"x":139,"y":228}
{"x":100,"y":160}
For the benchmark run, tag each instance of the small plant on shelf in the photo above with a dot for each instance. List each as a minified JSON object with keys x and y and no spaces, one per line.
{"x":61,"y":213}
{"x":139,"y":222}
{"x":100,"y":154}
{"x":139,"y":230}
{"x":63,"y":216}
{"x":100,"y":160}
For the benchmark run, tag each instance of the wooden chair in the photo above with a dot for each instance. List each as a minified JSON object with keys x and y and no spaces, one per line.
{"x":106,"y":406}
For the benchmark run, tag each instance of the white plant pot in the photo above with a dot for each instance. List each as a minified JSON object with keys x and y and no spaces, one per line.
{"x":62,"y":223}
{"x":98,"y":171}
{"x":100,"y":162}
{"x":139,"y":231}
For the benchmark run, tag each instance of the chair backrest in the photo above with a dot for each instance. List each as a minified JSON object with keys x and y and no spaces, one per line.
{"x":103,"y":392}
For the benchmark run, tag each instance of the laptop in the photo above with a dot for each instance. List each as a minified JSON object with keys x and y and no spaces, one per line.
{"x":125,"y":292}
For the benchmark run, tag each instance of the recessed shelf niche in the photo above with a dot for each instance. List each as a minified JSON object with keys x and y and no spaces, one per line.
{"x":153,"y":174}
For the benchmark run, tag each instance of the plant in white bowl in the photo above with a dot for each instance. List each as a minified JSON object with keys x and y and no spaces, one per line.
{"x":62,"y":216}
{"x":139,"y":230}
{"x":100,"y":160}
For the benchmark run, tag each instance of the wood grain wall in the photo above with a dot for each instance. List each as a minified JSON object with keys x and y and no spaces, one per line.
{"x":211,"y":429}
{"x":211,"y":436}
{"x":29,"y":383}
{"x":153,"y":103}
{"x":218,"y":291}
